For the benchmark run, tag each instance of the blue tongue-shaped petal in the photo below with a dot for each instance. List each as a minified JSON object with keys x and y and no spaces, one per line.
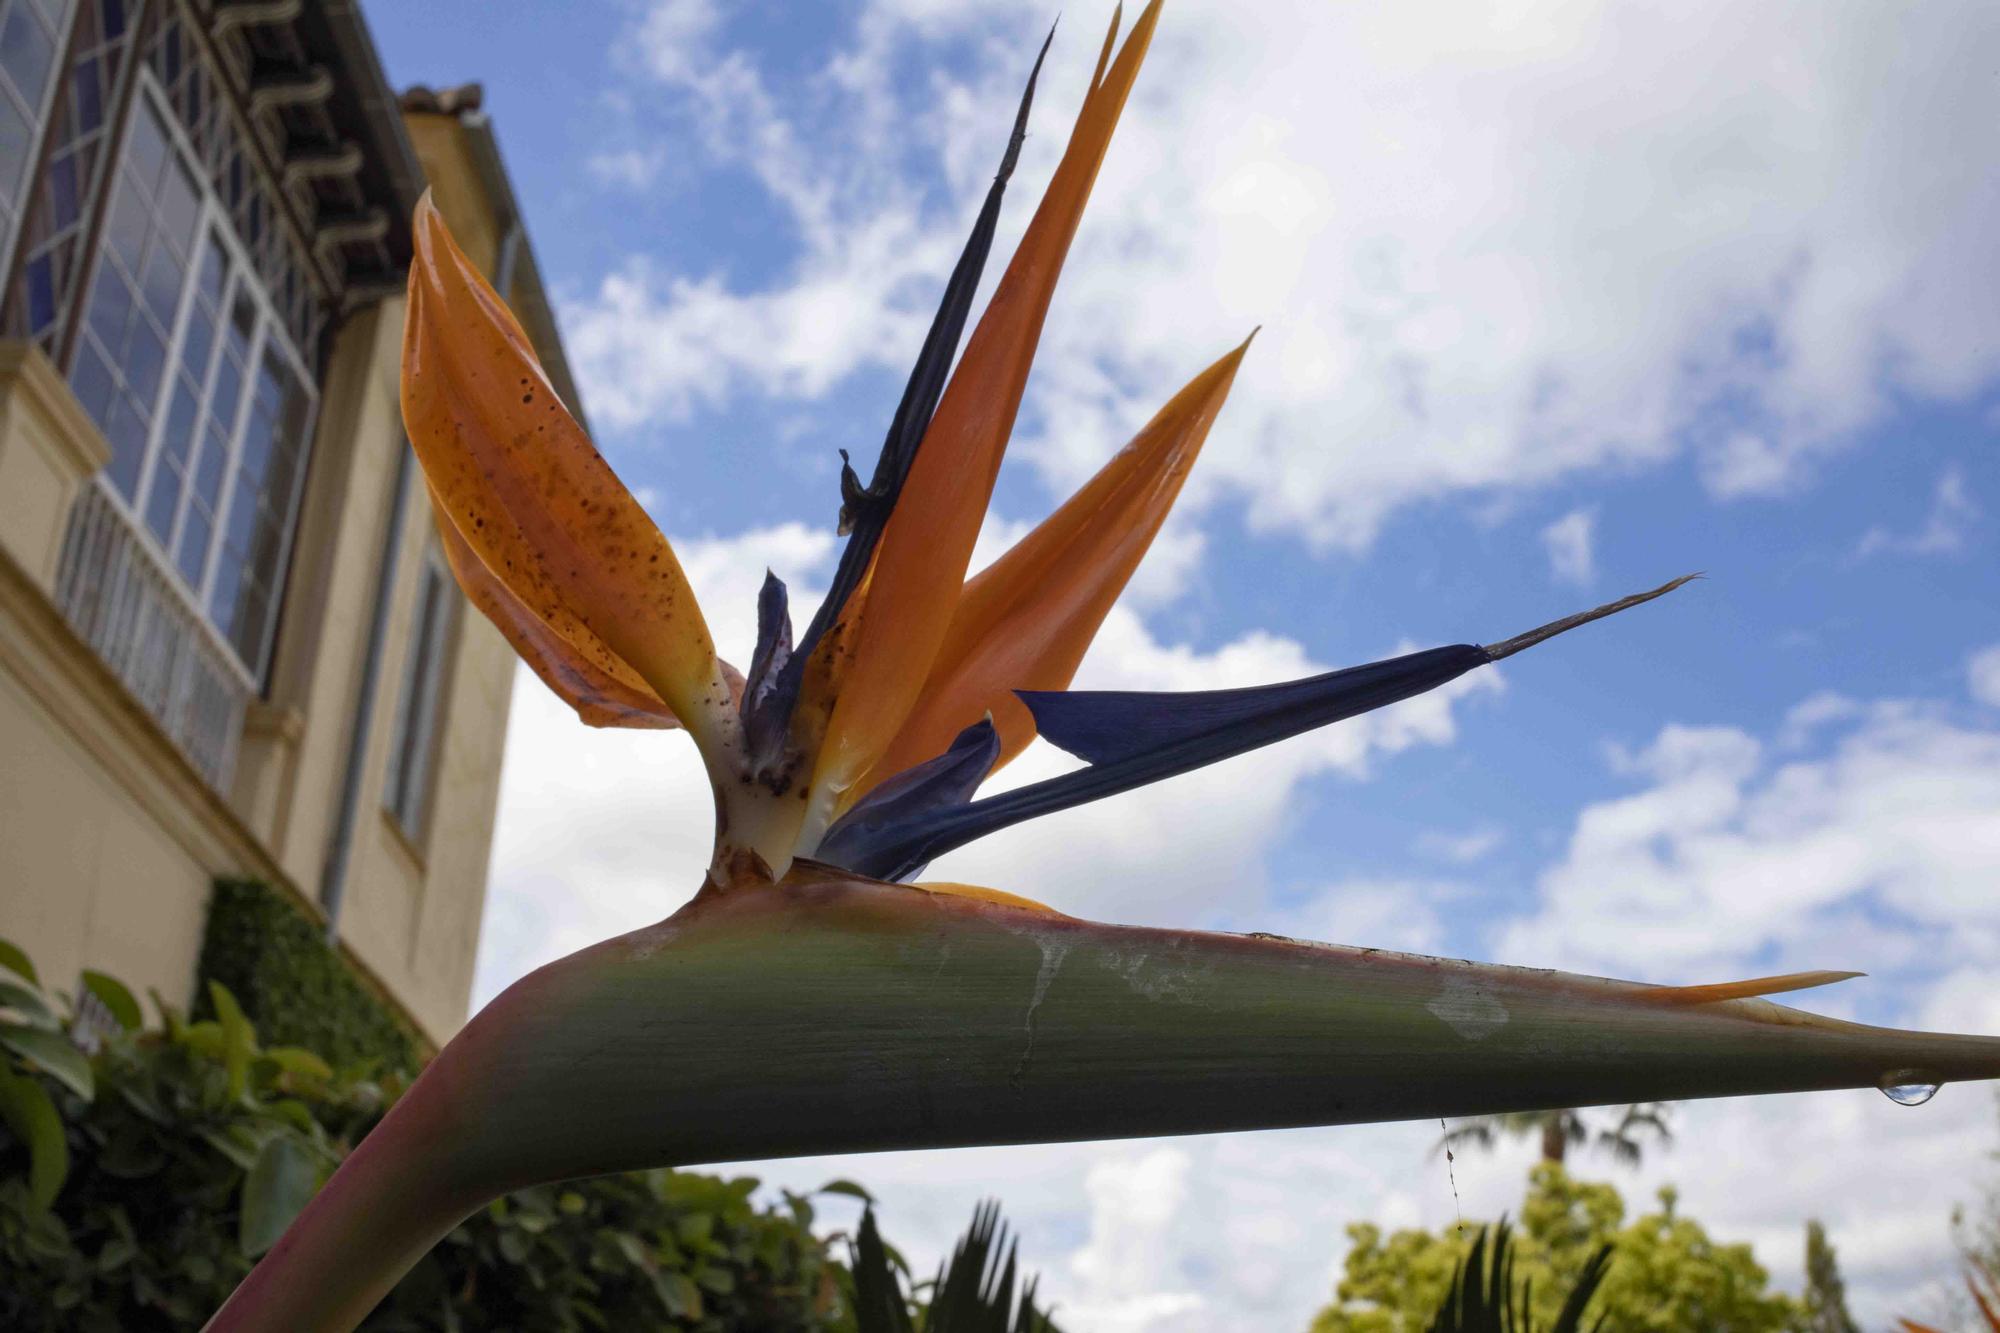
{"x":1133,"y":738}
{"x":1172,"y":733}
{"x":879,"y":819}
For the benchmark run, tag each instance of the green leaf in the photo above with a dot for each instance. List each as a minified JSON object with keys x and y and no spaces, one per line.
{"x":299,"y":1060}
{"x":116,"y":998}
{"x":29,"y":1112}
{"x":280,"y":1184}
{"x":681,"y":1297}
{"x":239,"y":1039}
{"x":848,"y":1187}
{"x":28,"y":1006}
{"x":13,"y":959}
{"x":56,"y":1054}
{"x":238,"y":1143}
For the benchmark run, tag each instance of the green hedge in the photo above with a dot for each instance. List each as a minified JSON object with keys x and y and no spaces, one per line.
{"x":292,"y":984}
{"x":137,"y":1187}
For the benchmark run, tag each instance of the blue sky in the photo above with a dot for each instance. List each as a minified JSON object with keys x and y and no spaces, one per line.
{"x":1557,"y":303}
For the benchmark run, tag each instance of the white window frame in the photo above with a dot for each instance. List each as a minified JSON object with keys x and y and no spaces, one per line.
{"x":57,"y":81}
{"x":269,"y":326}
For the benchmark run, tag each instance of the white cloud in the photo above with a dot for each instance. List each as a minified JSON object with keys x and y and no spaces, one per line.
{"x":1883,"y":849}
{"x":1568,"y":543}
{"x":1489,"y":252}
{"x":632,"y":168}
{"x":1945,"y":529}
{"x":1983,"y":675}
{"x":1461,"y":848}
{"x":1134,"y":1201}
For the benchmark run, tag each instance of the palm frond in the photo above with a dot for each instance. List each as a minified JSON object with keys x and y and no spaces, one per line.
{"x":974,"y":1291}
{"x":1484,"y":1297}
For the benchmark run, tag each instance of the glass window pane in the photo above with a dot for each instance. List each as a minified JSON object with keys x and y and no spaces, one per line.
{"x":177,"y":207}
{"x":92,"y":383}
{"x":87,"y":88}
{"x":41,"y":281}
{"x":214,"y":268}
{"x":214,"y":466}
{"x":146,"y":150}
{"x":222,"y":597}
{"x":413,"y":742}
{"x":15,"y":142}
{"x":126,"y":227}
{"x":242,"y":527}
{"x":178,"y":440}
{"x":64,"y":195}
{"x":127,"y":434}
{"x":145,"y":358}
{"x":228,"y":388}
{"x":242,"y":323}
{"x":252,"y":619}
{"x":163,"y":284}
{"x":27,"y":49}
{"x":193,"y":554}
{"x":110,"y":309}
{"x":163,"y":500}
{"x":197,"y":340}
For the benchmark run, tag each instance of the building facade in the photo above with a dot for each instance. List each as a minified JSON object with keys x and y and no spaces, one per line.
{"x":229,"y":646}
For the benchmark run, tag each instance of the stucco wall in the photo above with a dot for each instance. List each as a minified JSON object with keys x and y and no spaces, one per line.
{"x":91,"y":874}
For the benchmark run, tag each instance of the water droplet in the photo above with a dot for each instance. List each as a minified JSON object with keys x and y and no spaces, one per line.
{"x":1909,"y":1087}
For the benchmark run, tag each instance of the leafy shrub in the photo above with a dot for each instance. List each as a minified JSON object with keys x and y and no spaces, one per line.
{"x":183,"y":1154}
{"x":292,"y":984}
{"x":184,"y":1151}
{"x":650,"y":1250}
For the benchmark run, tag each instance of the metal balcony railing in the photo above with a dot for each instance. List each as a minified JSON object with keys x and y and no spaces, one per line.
{"x":145,"y":625}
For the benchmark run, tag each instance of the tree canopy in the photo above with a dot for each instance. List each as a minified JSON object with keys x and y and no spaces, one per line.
{"x":1667,"y":1273}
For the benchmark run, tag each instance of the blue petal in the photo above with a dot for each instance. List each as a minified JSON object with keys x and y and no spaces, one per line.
{"x":1132,"y":738}
{"x":879,"y":820}
{"x":774,"y":642}
{"x":1154,"y":736}
{"x":1177,"y":732}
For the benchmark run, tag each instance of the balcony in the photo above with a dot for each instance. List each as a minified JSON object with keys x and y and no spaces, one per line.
{"x":123,"y":600}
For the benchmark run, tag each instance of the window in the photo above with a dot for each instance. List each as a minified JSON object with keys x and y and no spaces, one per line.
{"x":413,"y":743}
{"x":191,"y":373}
{"x":30,"y":37}
{"x":51,"y":230}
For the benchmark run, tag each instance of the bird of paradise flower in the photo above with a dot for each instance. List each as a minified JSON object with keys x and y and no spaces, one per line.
{"x":815,"y":997}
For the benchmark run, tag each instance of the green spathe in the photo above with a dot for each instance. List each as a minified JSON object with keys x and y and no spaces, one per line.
{"x":829,"y":1014}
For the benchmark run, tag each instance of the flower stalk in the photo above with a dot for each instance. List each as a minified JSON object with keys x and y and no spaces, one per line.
{"x":836,"y":1014}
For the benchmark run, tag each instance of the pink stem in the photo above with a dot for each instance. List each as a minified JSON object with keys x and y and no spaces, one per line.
{"x":397,"y":1194}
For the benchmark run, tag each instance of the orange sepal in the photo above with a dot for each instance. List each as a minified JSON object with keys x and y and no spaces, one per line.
{"x":920,"y":565}
{"x":601,"y":686}
{"x":1743,"y":990}
{"x":531,"y":496}
{"x":980,"y":893}
{"x":1025,"y":622}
